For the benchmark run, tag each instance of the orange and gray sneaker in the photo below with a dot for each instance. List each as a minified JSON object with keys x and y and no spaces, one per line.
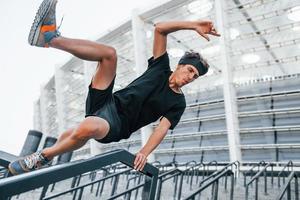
{"x":44,"y":29}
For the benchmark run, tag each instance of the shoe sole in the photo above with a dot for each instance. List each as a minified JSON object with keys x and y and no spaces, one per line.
{"x":12,"y":170}
{"x":38,"y":20}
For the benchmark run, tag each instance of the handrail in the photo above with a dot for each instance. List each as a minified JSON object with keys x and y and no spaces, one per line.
{"x":287,"y":187}
{"x":84,"y":185}
{"x":226,"y":172}
{"x":254,"y":166}
{"x":251,"y":170}
{"x":15,"y":185}
{"x":290,"y":163}
{"x":169,"y":172}
{"x":218,"y":172}
{"x":255,"y":178}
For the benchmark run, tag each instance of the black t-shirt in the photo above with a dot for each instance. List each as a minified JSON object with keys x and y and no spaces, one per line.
{"x":149,"y":97}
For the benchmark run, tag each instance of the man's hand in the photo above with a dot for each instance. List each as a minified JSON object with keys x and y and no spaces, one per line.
{"x":206,"y":27}
{"x":140,"y":161}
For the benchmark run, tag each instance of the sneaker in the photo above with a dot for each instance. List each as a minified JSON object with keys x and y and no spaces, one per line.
{"x":28,"y":163}
{"x":43,"y":29}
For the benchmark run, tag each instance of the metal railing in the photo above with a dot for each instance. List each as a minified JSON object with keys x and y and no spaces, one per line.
{"x":82,"y":187}
{"x":251,"y":170}
{"x":215,"y":183}
{"x":256,"y":178}
{"x":288,"y":165}
{"x":16,"y":184}
{"x":164,"y":177}
{"x":236,"y":171}
{"x":287,"y":188}
{"x":210,"y":177}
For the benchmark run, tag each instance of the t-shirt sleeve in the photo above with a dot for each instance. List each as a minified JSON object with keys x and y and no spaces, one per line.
{"x":174,"y":115}
{"x":161,"y":61}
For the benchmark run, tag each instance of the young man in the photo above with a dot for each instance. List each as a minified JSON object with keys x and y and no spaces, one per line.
{"x":154,"y":95}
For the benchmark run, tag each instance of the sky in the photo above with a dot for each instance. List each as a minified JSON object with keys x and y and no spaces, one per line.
{"x":24,"y":69}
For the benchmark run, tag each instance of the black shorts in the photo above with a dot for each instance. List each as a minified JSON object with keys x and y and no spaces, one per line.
{"x":101,"y":103}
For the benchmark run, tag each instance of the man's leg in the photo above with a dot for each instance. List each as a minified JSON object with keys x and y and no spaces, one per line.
{"x":91,"y":127}
{"x":44,"y":33}
{"x":91,"y":51}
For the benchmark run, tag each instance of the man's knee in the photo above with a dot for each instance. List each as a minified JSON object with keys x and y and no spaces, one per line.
{"x":89,"y":128}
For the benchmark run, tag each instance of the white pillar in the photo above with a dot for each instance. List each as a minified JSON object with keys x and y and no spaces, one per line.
{"x":37,"y":118}
{"x":89,"y":70}
{"x":61,"y":116}
{"x":231,"y":111}
{"x":44,"y":114}
{"x":140,"y":54}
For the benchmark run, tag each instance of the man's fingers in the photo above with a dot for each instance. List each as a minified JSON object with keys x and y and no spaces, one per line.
{"x":215,"y":33}
{"x":142,"y":164}
{"x":204,"y":35}
{"x":137,"y":161}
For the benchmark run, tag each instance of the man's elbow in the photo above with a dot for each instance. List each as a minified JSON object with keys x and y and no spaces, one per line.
{"x":159,"y":28}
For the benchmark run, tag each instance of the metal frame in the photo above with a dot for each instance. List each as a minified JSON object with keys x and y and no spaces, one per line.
{"x":26,"y":182}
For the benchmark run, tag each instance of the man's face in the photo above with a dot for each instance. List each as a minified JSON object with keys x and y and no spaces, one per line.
{"x":186,"y":74}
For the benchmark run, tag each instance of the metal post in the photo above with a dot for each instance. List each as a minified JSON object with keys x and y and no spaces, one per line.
{"x":128,"y":196}
{"x":44,"y":192}
{"x":80,"y":193}
{"x":272,"y":179}
{"x":256,"y":189}
{"x":296,"y":188}
{"x":115,"y":184}
{"x":31,"y":143}
{"x":146,"y":188}
{"x":175,"y":187}
{"x":180,"y":186}
{"x":50,"y":141}
{"x":266,"y":182}
{"x":289,"y":192}
{"x":216,"y":185}
{"x":247,"y":192}
{"x":159,"y":188}
{"x":245,"y":179}
{"x":213,"y":190}
{"x":226,"y":182}
{"x":232,"y":187}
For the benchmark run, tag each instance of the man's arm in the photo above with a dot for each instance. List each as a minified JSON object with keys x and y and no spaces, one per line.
{"x":153,"y":141}
{"x":162,"y":29}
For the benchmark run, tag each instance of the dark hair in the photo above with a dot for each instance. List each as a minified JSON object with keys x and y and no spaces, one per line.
{"x":195,"y":59}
